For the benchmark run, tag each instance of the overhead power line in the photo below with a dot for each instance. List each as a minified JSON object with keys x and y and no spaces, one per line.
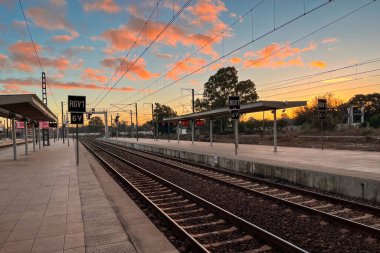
{"x":147,"y":48}
{"x":129,"y":51}
{"x":235,"y":50}
{"x":35,"y":50}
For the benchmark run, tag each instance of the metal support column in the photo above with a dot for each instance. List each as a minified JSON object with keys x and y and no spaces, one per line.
{"x":274,"y":131}
{"x":178,"y":130}
{"x":106,"y":125}
{"x":236,"y":135}
{"x":137,"y":124}
{"x":34,"y":136}
{"x":14,"y":139}
{"x":192,"y":132}
{"x":63,"y":125}
{"x":211,"y":132}
{"x":39,"y":137}
{"x":26,"y":136}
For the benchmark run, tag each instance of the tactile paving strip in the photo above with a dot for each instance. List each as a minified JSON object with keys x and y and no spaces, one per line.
{"x":124,"y":246}
{"x":103,"y":231}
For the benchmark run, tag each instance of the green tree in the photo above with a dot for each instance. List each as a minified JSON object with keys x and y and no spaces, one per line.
{"x":95,"y":124}
{"x":159,"y":113}
{"x":308,"y":115}
{"x":222,"y":85}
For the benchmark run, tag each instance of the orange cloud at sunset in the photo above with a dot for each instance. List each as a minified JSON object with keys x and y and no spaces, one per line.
{"x":235,"y":60}
{"x":94,"y":75}
{"x":62,"y":38}
{"x":123,"y":37}
{"x":32,"y":82}
{"x":184,"y":67}
{"x":108,"y":6}
{"x":277,"y":55}
{"x":3,"y":61}
{"x":138,"y":69}
{"x":207,"y":11}
{"x":318,"y":64}
{"x":51,"y":19}
{"x":330,"y":40}
{"x":23,"y":57}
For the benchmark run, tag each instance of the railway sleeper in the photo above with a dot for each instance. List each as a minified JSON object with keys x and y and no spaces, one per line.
{"x":194,"y":218}
{"x":213,"y":223}
{"x":225,"y":243}
{"x":168,"y":209}
{"x":219,"y":232}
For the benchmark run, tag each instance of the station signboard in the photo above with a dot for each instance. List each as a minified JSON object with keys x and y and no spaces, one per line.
{"x":322,"y":108}
{"x":76,"y":103}
{"x":20,"y":124}
{"x":234,"y":105}
{"x":76,"y":118}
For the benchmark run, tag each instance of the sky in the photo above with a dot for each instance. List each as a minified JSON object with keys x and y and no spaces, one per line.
{"x":117,"y":52}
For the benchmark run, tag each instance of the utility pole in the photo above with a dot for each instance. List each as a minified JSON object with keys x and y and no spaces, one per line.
{"x":137,"y":124}
{"x":111,"y":125}
{"x":131,"y":123}
{"x":63,"y":125}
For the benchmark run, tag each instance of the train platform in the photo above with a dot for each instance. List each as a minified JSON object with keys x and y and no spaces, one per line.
{"x":48,"y":204}
{"x":349,"y":173}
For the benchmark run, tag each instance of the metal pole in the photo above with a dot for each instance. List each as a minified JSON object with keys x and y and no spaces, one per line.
{"x":168,"y":131}
{"x":111,"y":126}
{"x":14,"y":139}
{"x":77,"y":147}
{"x":274,"y":131}
{"x":137,"y":124}
{"x":153,"y":121}
{"x":39,"y":137}
{"x":192,"y":105}
{"x":178,"y":130}
{"x":157,"y":128}
{"x":192,"y":132}
{"x":321,"y":133}
{"x":131,"y":124}
{"x":68,"y":135}
{"x":26,"y":136}
{"x":211,"y":132}
{"x":63,"y":125}
{"x":34,"y":136}
{"x":236,"y":135}
{"x":106,"y":126}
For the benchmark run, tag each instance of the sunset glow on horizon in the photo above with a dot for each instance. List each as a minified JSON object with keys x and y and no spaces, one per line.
{"x":119,"y":53}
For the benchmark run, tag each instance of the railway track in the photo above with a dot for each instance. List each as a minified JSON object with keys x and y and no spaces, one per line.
{"x":355,"y":215}
{"x":205,"y":226}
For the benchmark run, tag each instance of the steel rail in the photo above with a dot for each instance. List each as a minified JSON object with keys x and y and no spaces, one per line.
{"x":266,"y":236}
{"x":331,"y":217}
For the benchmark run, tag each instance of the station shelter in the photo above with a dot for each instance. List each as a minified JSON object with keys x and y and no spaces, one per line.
{"x":27,"y":108}
{"x":259,"y":106}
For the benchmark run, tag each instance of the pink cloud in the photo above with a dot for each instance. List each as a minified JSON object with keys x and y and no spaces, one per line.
{"x":24,"y":59}
{"x":94,"y":75}
{"x":235,"y":60}
{"x":62,"y":38}
{"x":17,"y":83}
{"x":51,"y":19}
{"x":3,"y":61}
{"x":138,"y":69}
{"x":108,"y":6}
{"x":272,"y":56}
{"x":184,"y":67}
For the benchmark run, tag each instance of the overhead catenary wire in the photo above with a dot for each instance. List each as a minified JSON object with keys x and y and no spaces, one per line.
{"x":241,"y":47}
{"x":148,"y":47}
{"x":130,"y":49}
{"x":35,"y":50}
{"x":277,"y":51}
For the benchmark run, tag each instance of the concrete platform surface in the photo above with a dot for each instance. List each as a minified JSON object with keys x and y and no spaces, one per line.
{"x":48,"y":204}
{"x":344,"y":162}
{"x":350,"y":173}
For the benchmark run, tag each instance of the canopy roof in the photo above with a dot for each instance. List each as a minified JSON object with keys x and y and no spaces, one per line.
{"x":247,"y":108}
{"x":23,"y":106}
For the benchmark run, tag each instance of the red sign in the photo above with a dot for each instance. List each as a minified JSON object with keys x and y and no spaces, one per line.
{"x":200,"y":122}
{"x":43,"y":124}
{"x":185,"y":123}
{"x":20,"y":124}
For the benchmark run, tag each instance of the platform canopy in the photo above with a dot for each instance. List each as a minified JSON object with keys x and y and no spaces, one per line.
{"x":25,"y":106}
{"x":246,"y":108}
